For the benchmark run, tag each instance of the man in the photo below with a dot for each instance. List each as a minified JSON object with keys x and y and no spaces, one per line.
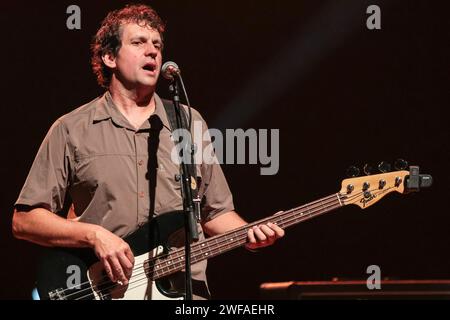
{"x":100,"y":157}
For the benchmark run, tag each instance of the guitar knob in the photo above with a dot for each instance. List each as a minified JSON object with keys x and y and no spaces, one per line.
{"x":400,"y":164}
{"x":350,"y":188}
{"x":384,"y":166}
{"x":352,"y":171}
{"x":368,"y":169}
{"x":366,"y":186}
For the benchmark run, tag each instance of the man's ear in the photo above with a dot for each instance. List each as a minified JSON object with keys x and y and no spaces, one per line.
{"x":109,"y":60}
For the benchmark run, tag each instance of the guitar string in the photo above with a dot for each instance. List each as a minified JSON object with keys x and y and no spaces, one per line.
{"x":196,"y":247}
{"x":243,"y":237}
{"x":107,"y":289}
{"x":309,"y":216}
{"x":135,"y":279}
{"x":217,"y":245}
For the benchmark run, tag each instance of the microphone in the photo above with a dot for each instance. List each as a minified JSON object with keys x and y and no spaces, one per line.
{"x":170,"y":70}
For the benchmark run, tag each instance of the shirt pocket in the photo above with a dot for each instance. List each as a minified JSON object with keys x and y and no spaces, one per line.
{"x":86,"y":171}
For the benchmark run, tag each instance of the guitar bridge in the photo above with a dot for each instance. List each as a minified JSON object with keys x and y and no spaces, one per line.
{"x":57,"y":294}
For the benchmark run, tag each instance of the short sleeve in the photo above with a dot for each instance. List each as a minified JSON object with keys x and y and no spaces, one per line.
{"x":47,"y":182}
{"x":215,"y":193}
{"x":217,"y":198}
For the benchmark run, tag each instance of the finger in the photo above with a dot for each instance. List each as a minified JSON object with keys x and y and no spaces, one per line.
{"x":267,"y":231}
{"x":126,"y":264}
{"x":108,"y":270}
{"x":129,"y":255}
{"x":251,"y":236}
{"x":278,"y":231}
{"x":117,"y":270}
{"x":259,"y":234}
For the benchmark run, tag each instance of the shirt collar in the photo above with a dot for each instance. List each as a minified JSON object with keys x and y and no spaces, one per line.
{"x":107,"y":109}
{"x":102,"y":111}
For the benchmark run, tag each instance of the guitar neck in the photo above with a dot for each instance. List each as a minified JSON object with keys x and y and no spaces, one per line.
{"x":214,"y":246}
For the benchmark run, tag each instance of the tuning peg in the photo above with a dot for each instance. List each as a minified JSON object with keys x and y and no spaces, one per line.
{"x":384,"y":166}
{"x":368,"y":169}
{"x":352,"y":171}
{"x":400,"y":164}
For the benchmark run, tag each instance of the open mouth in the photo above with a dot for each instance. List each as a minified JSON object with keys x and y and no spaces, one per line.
{"x":149,"y":67}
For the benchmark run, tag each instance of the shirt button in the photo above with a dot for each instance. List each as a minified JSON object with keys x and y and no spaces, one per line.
{"x":141,"y":194}
{"x":140,"y":162}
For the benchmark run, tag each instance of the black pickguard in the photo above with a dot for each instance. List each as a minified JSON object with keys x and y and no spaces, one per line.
{"x":54,"y":269}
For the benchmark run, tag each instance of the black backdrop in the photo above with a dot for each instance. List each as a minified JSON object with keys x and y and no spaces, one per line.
{"x":339,"y":93}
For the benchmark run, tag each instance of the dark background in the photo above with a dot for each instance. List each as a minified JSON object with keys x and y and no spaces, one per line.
{"x":339,"y":93}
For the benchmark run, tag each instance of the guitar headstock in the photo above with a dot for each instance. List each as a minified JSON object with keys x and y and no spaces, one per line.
{"x":367,"y":190}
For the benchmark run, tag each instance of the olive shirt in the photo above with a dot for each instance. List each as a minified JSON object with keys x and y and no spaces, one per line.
{"x":109,"y":169}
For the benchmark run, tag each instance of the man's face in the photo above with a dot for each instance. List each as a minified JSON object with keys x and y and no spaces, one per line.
{"x":138,"y":62}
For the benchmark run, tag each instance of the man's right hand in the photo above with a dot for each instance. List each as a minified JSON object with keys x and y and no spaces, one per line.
{"x":115,"y":254}
{"x":43,"y":227}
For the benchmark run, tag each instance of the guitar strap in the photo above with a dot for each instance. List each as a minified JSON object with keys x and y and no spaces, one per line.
{"x":192,"y":168}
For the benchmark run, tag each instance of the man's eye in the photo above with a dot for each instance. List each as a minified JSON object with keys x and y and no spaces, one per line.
{"x":136,"y":42}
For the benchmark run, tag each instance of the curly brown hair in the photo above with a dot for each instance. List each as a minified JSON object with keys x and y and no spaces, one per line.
{"x":108,"y":38}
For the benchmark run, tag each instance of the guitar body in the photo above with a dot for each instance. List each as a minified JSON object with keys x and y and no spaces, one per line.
{"x":67,"y":273}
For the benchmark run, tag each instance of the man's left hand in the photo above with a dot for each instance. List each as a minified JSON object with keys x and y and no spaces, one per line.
{"x":263,"y":235}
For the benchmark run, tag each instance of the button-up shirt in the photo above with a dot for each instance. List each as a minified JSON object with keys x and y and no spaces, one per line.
{"x":117,"y":175}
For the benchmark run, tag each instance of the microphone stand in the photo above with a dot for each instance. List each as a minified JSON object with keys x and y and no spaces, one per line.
{"x":190,"y":221}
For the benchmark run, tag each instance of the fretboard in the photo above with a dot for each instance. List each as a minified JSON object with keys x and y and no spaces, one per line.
{"x":164,"y":265}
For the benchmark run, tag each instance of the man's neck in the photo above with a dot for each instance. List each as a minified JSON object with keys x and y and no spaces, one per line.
{"x":136,"y":105}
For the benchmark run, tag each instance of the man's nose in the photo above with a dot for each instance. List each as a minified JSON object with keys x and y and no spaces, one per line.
{"x":151,"y":50}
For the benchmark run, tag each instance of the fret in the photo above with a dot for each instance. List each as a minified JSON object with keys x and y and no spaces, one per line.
{"x":156,"y":274}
